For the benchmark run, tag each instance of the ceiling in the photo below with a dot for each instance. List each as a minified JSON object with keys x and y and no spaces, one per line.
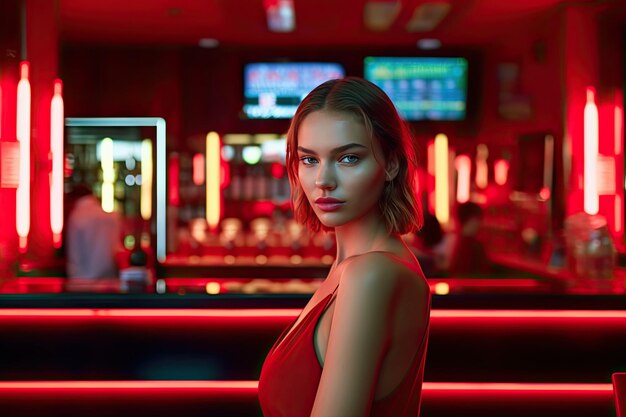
{"x":318,"y":22}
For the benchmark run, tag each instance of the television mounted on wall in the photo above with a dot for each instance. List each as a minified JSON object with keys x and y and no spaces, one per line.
{"x":422,"y":88}
{"x":273,"y":90}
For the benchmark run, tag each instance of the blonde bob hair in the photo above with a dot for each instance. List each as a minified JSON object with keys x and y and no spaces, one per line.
{"x":369,"y":104}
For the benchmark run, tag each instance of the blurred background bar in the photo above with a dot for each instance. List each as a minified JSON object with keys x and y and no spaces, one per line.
{"x":174,"y":115}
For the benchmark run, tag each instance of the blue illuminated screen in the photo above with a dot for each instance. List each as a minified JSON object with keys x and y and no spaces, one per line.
{"x":422,"y":88}
{"x":274,"y":90}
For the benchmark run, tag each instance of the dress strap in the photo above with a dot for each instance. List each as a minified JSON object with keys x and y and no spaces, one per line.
{"x":332,"y":295}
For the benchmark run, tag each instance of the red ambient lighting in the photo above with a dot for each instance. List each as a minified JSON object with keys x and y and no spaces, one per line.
{"x":438,"y":315}
{"x":463,"y":165}
{"x":590,"y":188}
{"x":174,"y":191}
{"x":253,"y":385}
{"x":618,"y":131}
{"x":198,"y":169}
{"x":152,"y":396}
{"x":501,"y":171}
{"x":124,"y":385}
{"x":22,"y":213}
{"x":56,"y":176}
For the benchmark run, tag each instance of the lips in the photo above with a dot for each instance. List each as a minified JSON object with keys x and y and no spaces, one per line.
{"x":328,"y":203}
{"x":327,"y":200}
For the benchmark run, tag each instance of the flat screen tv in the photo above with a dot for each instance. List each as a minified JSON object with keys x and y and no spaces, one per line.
{"x":422,"y":88}
{"x":273,"y":90}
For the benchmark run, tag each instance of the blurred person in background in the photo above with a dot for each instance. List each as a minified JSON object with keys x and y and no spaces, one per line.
{"x":468,"y":257}
{"x":428,"y":248}
{"x":93,"y":237}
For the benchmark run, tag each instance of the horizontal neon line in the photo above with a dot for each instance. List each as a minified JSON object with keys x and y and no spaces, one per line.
{"x":129,"y":384}
{"x":427,"y":386}
{"x":488,"y":282}
{"x":80,"y":312}
{"x":510,"y":386}
{"x":531,"y":313}
{"x":291,"y":313}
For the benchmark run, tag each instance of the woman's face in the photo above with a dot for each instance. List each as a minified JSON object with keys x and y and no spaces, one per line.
{"x":340,"y":170}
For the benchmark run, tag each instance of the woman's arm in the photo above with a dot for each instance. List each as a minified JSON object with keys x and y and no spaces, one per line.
{"x":359,"y":337}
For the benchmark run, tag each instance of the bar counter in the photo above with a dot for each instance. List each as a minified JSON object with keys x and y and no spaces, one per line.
{"x":533,"y":344}
{"x":546,"y":293}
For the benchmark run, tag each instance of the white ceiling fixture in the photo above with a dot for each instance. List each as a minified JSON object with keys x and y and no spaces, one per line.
{"x":378,"y":16}
{"x":427,"y":16}
{"x":429,"y":44}
{"x":208,"y":43}
{"x":281,"y":15}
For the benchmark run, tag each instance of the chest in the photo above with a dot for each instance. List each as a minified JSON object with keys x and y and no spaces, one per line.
{"x":318,"y":315}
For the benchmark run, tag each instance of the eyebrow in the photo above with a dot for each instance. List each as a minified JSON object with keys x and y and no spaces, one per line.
{"x":335,"y":150}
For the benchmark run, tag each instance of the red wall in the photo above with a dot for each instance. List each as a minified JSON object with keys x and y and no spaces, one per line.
{"x":198,"y":90}
{"x":123,"y":82}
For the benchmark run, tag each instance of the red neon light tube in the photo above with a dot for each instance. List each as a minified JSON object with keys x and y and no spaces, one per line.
{"x":253,"y":385}
{"x":293,"y":313}
{"x":56,"y":176}
{"x":22,"y":204}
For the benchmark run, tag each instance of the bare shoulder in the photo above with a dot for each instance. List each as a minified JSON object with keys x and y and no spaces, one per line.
{"x":376,"y":294}
{"x":380,"y":274}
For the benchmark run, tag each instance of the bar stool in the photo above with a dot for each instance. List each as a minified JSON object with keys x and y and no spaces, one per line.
{"x":619,"y":389}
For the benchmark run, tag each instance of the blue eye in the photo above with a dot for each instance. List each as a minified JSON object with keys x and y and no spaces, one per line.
{"x":307,"y":160}
{"x":350,"y":159}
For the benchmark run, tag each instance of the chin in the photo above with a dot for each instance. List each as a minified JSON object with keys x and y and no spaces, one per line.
{"x":331,"y":220}
{"x":331,"y":225}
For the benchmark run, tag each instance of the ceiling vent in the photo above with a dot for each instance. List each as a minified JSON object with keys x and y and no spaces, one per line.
{"x":427,"y":16}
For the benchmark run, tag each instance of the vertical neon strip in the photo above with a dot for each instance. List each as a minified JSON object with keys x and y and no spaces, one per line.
{"x":198,"y":169}
{"x":619,"y":139}
{"x":451,"y":176}
{"x":501,"y":171}
{"x":22,"y":204}
{"x":590,"y":190}
{"x":174,"y":175}
{"x":619,"y":213}
{"x":430,"y":168}
{"x":442,"y":203}
{"x":482,"y":170}
{"x":213,"y":163}
{"x":225,"y":174}
{"x":145,"y":202}
{"x":618,"y":118}
{"x":56,"y":176}
{"x":463,"y":165}
{"x":108,"y":174}
{"x":1,"y":108}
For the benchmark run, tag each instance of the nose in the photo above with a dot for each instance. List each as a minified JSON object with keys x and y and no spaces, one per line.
{"x":326,"y":177}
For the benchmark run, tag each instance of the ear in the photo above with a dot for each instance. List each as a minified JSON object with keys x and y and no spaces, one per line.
{"x":391,"y":169}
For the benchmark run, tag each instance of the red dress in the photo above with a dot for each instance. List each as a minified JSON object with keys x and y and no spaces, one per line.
{"x":291,"y":374}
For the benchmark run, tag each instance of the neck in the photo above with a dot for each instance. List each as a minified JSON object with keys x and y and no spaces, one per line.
{"x":361,"y":236}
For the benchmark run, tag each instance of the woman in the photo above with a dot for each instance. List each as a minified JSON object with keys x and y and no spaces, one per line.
{"x":358,"y":347}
